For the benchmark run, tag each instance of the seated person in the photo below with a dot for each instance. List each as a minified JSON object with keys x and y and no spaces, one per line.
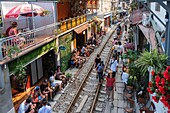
{"x":25,"y":106}
{"x":45,"y":89}
{"x":36,"y":95}
{"x":54,"y":83}
{"x":83,"y":51}
{"x":74,"y":61}
{"x":59,"y":73}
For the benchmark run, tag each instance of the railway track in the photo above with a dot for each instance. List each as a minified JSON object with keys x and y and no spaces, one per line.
{"x":101,"y":104}
{"x":79,"y":95}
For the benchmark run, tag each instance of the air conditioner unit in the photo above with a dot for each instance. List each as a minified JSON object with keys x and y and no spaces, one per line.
{"x":146,"y":18}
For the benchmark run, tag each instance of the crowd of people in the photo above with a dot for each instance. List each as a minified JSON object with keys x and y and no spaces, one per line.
{"x":41,"y":95}
{"x":118,"y":48}
{"x":79,"y":54}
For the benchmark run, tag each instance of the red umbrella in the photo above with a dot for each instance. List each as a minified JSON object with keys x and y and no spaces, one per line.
{"x":24,"y":10}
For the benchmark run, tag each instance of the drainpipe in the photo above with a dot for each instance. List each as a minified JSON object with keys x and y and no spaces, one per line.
{"x":167,"y":36}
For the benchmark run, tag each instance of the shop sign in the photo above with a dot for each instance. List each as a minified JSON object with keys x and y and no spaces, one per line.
{"x":62,"y":48}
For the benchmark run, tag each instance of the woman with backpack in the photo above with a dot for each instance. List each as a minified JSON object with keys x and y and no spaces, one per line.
{"x":110,"y":84}
{"x":100,"y":68}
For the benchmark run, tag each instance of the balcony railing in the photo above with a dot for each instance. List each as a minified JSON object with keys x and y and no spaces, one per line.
{"x":28,"y":39}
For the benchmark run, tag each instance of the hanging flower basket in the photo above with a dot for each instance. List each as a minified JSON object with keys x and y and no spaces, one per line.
{"x":160,"y":85}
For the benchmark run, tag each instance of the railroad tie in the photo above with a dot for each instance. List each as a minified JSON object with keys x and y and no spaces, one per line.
{"x":82,"y":104}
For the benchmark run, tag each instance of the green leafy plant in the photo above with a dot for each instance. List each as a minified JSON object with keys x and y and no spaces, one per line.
{"x":14,"y":50}
{"x":156,"y":60}
{"x":68,"y":75}
{"x":20,"y":72}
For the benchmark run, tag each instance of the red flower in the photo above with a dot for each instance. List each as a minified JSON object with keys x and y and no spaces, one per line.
{"x":163,"y":99}
{"x":163,"y":81}
{"x":149,"y":90}
{"x":150,"y":84}
{"x":152,"y":73}
{"x":155,"y":99}
{"x":168,"y":96}
{"x":161,"y":89}
{"x":166,"y":75}
{"x":157,"y":79}
{"x":166,"y":104}
{"x":157,"y":84}
{"x":167,"y":68}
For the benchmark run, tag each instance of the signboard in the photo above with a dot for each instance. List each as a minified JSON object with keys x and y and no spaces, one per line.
{"x":62,"y":48}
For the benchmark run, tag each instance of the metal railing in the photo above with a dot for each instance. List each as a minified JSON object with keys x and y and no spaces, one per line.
{"x":28,"y":39}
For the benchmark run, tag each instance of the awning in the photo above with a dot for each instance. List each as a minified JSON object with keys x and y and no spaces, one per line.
{"x":81,"y":28}
{"x":136,"y":17}
{"x":149,"y":34}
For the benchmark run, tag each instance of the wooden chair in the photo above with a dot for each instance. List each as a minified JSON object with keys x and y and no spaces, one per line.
{"x":131,"y":107}
{"x":150,"y":109}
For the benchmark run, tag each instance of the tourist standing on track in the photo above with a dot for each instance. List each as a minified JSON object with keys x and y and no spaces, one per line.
{"x":100,"y":69}
{"x":114,"y":65}
{"x":120,"y":49}
{"x":97,"y":61}
{"x":110,"y":84}
{"x":114,"y":48}
{"x":125,"y":76}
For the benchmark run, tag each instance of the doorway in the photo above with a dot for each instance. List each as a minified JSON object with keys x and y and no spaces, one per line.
{"x":81,"y":39}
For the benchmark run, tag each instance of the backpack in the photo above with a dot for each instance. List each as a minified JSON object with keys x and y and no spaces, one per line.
{"x":100,"y":68}
{"x":112,"y":62}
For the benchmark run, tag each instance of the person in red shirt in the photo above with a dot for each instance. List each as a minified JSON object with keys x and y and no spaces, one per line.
{"x":110,"y":84}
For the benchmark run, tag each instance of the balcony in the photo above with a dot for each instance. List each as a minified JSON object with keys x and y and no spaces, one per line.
{"x":28,"y":40}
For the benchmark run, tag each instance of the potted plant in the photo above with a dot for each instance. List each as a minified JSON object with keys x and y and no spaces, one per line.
{"x":68,"y":75}
{"x":13,"y":51}
{"x":153,"y":59}
{"x":159,"y":86}
{"x":20,"y":74}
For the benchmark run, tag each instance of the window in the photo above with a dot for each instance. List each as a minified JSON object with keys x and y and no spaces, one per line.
{"x":157,"y":7}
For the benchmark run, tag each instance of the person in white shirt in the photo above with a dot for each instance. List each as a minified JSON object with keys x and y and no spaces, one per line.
{"x":45,"y":108}
{"x":113,"y":65}
{"x":125,"y":77}
{"x":24,"y":106}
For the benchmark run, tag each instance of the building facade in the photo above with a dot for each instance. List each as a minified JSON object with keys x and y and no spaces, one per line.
{"x":43,"y":35}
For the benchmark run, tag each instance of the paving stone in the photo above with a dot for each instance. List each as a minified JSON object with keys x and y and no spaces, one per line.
{"x":120,"y":103}
{"x":120,"y":110}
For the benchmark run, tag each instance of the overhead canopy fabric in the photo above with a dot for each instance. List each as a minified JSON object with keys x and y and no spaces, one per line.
{"x":81,"y":28}
{"x":136,"y":17}
{"x":149,"y":34}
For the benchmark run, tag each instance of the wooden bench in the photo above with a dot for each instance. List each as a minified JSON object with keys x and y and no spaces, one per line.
{"x":20,"y":97}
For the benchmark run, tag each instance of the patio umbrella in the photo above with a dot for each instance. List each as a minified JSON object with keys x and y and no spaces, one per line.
{"x":25,"y":10}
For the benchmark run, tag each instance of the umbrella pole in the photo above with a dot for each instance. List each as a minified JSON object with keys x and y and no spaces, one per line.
{"x":33,"y":21}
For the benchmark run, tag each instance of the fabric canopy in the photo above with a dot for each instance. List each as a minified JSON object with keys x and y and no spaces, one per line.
{"x":149,"y":34}
{"x":136,"y":17}
{"x":23,"y":10}
{"x":81,"y":28}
